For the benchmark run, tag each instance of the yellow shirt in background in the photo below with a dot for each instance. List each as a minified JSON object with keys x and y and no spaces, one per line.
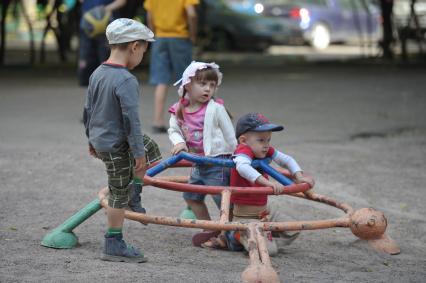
{"x":169,"y":16}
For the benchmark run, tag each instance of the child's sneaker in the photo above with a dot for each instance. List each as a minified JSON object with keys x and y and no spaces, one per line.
{"x":232,"y":238}
{"x":115,"y":249}
{"x":135,"y":198}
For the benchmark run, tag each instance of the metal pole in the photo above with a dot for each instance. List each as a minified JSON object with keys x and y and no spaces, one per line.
{"x":224,"y":211}
{"x":62,"y":236}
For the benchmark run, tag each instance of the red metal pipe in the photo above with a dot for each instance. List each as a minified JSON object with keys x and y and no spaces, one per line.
{"x":161,"y":183}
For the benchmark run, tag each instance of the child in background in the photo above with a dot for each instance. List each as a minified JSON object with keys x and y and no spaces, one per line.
{"x":200,"y":124}
{"x":254,"y":133}
{"x":113,"y":128}
{"x":93,"y":50}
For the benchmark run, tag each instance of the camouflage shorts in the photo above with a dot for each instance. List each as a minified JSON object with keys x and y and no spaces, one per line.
{"x":120,"y":166}
{"x":152,"y":151}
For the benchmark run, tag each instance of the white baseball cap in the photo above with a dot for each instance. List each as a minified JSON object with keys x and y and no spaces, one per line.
{"x":192,"y":69}
{"x":127,"y":30}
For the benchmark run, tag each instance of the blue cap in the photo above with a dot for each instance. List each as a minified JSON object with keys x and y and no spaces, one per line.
{"x":255,"y":122}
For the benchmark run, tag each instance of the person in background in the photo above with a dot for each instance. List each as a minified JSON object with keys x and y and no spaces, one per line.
{"x":174,"y":23}
{"x":93,"y":45}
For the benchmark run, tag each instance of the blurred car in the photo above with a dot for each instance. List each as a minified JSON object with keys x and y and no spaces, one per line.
{"x":235,"y":24}
{"x":321,"y":22}
{"x":227,"y":24}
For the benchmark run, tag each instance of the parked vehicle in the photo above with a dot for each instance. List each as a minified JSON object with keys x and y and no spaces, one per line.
{"x":321,"y":22}
{"x":258,"y":24}
{"x":235,"y":24}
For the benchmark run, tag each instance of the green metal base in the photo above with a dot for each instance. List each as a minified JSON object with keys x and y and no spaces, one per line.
{"x":60,"y":240}
{"x":62,"y":236}
{"x":188,"y":214}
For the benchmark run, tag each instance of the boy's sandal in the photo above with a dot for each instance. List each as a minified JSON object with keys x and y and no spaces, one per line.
{"x":202,"y":237}
{"x":218,"y":243}
{"x":232,"y":238}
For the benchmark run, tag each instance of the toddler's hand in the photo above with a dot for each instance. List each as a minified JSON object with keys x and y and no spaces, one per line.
{"x":179,"y":147}
{"x":278,"y":188}
{"x":309,"y":194}
{"x":265,"y":216}
{"x":300,"y":178}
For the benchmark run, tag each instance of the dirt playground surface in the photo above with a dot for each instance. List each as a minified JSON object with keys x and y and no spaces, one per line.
{"x":360,"y":131}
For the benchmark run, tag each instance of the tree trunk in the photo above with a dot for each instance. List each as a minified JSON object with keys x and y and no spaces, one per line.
{"x":387,"y":7}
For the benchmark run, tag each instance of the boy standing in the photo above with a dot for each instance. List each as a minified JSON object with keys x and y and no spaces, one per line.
{"x":113,"y":128}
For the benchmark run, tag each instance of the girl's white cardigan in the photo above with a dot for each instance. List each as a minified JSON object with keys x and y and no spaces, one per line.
{"x":218,"y":134}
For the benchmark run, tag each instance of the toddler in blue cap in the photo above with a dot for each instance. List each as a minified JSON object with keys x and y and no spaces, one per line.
{"x":254,"y":132}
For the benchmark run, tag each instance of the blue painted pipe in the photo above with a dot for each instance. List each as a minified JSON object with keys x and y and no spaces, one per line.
{"x":274,"y":173}
{"x":202,"y":160}
{"x":163,"y":165}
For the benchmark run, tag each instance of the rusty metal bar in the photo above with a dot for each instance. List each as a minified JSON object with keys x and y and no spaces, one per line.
{"x":306,"y":225}
{"x":176,"y":179}
{"x":260,"y":269}
{"x":224,"y":206}
{"x":229,"y":226}
{"x":261,"y":245}
{"x":327,"y":200}
{"x":253,"y":249}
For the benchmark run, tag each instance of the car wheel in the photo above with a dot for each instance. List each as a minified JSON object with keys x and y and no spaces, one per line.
{"x":320,"y":36}
{"x":220,"y":41}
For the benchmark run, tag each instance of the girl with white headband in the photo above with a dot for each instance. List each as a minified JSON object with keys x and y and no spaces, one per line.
{"x":200,"y":124}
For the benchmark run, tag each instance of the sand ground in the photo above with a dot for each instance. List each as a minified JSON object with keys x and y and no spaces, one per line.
{"x":359,"y":130}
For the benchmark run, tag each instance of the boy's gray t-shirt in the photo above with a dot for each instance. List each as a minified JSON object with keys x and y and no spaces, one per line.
{"x":111,"y":111}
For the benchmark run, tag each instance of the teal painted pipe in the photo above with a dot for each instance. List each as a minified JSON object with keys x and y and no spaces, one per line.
{"x":62,"y":236}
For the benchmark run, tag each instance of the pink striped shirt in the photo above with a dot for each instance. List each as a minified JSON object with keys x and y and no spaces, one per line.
{"x":192,"y":128}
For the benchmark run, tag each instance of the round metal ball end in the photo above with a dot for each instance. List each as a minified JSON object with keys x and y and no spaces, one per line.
{"x":368,"y":223}
{"x":260,"y":273}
